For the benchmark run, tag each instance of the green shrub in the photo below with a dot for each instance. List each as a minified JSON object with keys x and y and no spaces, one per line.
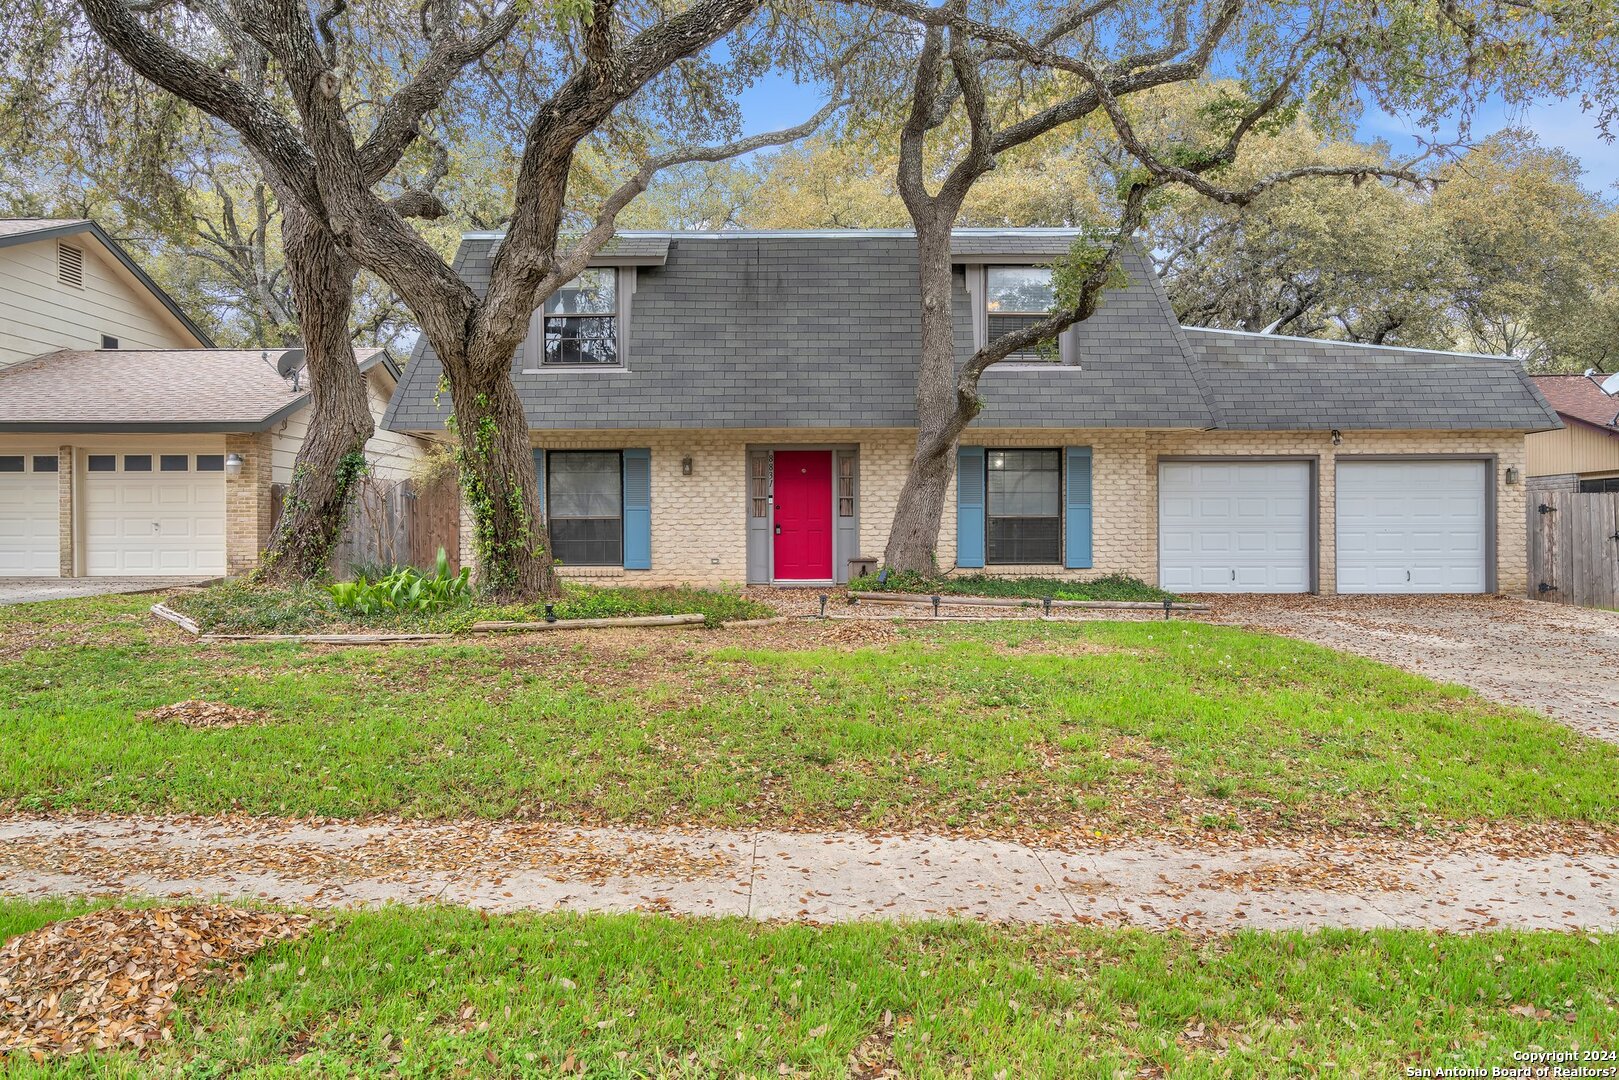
{"x":1111,"y":587}
{"x":444,"y":603}
{"x":718,"y":605}
{"x":405,"y":589}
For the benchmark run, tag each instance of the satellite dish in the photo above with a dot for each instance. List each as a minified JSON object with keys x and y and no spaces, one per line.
{"x":1610,"y":385}
{"x":289,"y":363}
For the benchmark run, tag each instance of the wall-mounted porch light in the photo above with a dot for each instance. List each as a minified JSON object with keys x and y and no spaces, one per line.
{"x":1512,"y":474}
{"x":1337,"y":437}
{"x":685,"y":466}
{"x":233,"y":465}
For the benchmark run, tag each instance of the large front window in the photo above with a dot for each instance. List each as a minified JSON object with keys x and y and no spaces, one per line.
{"x":581,"y":321}
{"x":1023,"y":521}
{"x":585,"y":493}
{"x":1018,"y":297}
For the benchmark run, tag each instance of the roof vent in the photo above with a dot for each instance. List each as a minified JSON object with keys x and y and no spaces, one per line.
{"x":70,"y":265}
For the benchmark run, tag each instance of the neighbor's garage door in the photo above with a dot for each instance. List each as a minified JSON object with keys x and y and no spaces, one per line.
{"x":28,"y":501}
{"x":1228,"y":526}
{"x":152,"y":513}
{"x":1412,"y":526}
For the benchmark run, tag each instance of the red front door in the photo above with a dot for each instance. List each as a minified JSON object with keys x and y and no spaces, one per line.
{"x":803,"y":515}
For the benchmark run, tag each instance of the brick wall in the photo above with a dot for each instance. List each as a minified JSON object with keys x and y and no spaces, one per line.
{"x":698,"y":521}
{"x":1125,"y":488}
{"x":1561,"y":482}
{"x":247,"y":502}
{"x":64,"y":511}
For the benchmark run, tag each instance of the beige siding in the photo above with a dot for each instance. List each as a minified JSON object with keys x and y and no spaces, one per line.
{"x":1577,"y":448}
{"x":39,"y":314}
{"x":390,"y":454}
{"x":698,"y":524}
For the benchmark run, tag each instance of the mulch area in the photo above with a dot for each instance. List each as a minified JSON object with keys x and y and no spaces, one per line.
{"x":108,"y":979}
{"x":206,"y":714}
{"x":234,"y":846}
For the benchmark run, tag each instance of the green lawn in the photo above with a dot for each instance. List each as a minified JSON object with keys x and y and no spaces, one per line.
{"x":447,"y":992}
{"x":1114,"y":726}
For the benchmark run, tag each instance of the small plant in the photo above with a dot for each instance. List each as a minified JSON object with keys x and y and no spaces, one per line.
{"x":404,"y":589}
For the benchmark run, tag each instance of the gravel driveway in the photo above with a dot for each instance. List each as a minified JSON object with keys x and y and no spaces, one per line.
{"x":1562,"y":661}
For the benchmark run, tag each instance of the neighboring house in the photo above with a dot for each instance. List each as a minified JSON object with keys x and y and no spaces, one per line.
{"x":739,"y":407}
{"x":129,"y":445}
{"x":1584,"y":454}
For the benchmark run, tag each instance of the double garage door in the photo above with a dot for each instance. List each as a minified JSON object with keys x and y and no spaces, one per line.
{"x":138,"y":513}
{"x":1417,"y":526}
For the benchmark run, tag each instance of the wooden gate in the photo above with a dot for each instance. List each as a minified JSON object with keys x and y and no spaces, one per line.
{"x":1574,"y":548}
{"x":394,"y":523}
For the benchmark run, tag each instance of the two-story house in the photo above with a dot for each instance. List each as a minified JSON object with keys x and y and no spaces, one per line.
{"x":737,"y":407}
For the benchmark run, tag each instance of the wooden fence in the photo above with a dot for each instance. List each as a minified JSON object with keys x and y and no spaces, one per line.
{"x":1574,"y":548}
{"x":395,"y":523}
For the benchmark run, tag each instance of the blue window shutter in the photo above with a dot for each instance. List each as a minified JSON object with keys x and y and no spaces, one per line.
{"x":638,"y":509}
{"x":539,"y":479}
{"x":970,"y":506}
{"x":1077,"y":550}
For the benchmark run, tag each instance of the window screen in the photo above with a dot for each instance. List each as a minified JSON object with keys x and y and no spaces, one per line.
{"x":1023,"y":512}
{"x":585,"y":498}
{"x":1018,"y":297}
{"x":581,"y":321}
{"x":1600,"y":485}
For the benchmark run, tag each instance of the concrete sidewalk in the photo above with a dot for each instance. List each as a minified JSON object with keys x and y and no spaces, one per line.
{"x":34,"y":590}
{"x":811,"y":877}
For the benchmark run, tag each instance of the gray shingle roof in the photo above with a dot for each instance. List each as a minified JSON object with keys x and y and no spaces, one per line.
{"x":819,"y":330}
{"x":624,"y":249}
{"x":1264,"y":382}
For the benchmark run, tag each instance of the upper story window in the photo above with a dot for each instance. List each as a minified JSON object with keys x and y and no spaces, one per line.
{"x":1020,"y":296}
{"x":581,"y":321}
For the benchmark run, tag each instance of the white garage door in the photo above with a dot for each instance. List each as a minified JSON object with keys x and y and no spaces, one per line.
{"x":154,"y":513}
{"x":28,"y":501}
{"x":1234,"y":526}
{"x":1411,"y":526}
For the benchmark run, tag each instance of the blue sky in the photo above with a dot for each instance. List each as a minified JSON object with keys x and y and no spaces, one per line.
{"x":775,"y":102}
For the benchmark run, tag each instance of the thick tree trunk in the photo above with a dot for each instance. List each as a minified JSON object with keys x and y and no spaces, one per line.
{"x":332,"y":457}
{"x":496,"y":464}
{"x":915,"y":534}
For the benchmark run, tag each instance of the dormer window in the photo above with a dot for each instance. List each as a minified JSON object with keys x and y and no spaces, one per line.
{"x":1017,"y":297}
{"x":581,"y":322}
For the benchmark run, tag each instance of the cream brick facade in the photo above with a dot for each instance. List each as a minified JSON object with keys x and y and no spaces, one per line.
{"x":699,"y":523}
{"x":247,"y":502}
{"x":65,"y":524}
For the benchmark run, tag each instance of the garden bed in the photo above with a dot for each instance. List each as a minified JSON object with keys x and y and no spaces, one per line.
{"x":1113,"y":588}
{"x":236,"y":609}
